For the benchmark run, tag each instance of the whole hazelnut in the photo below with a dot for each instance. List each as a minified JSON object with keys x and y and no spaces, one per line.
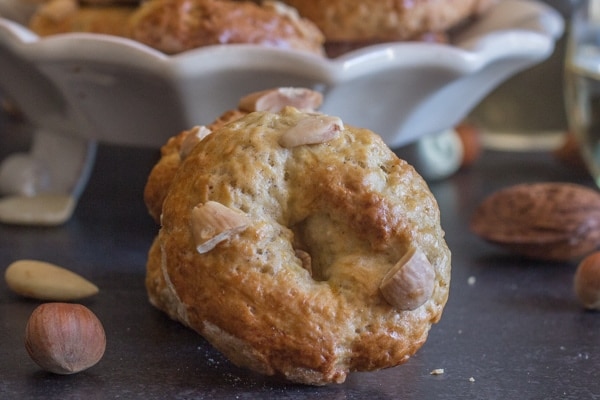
{"x":64,"y":338}
{"x":587,"y":281}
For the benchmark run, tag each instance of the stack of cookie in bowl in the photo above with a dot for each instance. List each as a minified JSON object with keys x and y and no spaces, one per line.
{"x":174,"y":26}
{"x":333,"y":28}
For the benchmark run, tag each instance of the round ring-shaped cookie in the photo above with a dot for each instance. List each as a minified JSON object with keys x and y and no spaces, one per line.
{"x":300,"y":247}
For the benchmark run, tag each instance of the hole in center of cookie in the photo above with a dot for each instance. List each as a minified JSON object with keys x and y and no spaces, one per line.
{"x":320,"y":240}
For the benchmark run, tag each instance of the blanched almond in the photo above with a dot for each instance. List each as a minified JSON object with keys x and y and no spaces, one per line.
{"x":274,"y":100}
{"x":192,"y":138}
{"x":409,"y":284}
{"x":40,"y":210}
{"x":212,"y":223}
{"x":45,"y":281}
{"x":316,"y":128}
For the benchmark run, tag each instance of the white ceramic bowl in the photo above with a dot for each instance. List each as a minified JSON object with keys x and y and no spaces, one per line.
{"x":100,"y":88}
{"x":120,"y":91}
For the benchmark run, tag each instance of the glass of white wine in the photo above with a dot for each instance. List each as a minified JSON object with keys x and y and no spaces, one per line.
{"x":582,"y":82}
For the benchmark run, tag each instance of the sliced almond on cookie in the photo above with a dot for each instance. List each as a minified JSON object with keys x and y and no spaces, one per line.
{"x":409,"y":284}
{"x":316,"y":128}
{"x":212,"y":223}
{"x":274,"y":100}
{"x":192,"y":138}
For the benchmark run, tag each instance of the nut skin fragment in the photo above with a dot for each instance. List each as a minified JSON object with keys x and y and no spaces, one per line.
{"x":316,"y":128}
{"x":587,"y":281}
{"x":64,"y":338}
{"x":212,"y":223}
{"x":274,"y":100}
{"x":44,"y":281}
{"x":306,"y":260}
{"x":409,"y":284}
{"x":44,"y":209}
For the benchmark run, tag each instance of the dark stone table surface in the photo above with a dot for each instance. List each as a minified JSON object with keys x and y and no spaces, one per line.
{"x":512,"y":328}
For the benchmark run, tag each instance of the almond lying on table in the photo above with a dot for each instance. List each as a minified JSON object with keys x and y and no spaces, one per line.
{"x":547,"y":221}
{"x":45,"y":281}
{"x":39,"y":210}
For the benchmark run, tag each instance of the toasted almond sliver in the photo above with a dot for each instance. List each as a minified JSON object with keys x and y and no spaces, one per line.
{"x":212,"y":223}
{"x":409,"y":284}
{"x":274,"y":100}
{"x":313,"y":129}
{"x":192,"y":138}
{"x":42,"y":210}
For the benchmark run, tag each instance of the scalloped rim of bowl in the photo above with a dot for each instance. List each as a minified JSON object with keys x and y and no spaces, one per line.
{"x":493,"y":47}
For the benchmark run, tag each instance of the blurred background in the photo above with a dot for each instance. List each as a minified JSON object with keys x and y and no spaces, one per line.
{"x":527,"y":112}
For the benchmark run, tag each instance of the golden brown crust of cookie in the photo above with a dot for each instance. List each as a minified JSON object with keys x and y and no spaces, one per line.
{"x":348,"y":202}
{"x":163,"y":172}
{"x":386,"y":20}
{"x":173,"y":26}
{"x":64,"y":16}
{"x":171,"y":153}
